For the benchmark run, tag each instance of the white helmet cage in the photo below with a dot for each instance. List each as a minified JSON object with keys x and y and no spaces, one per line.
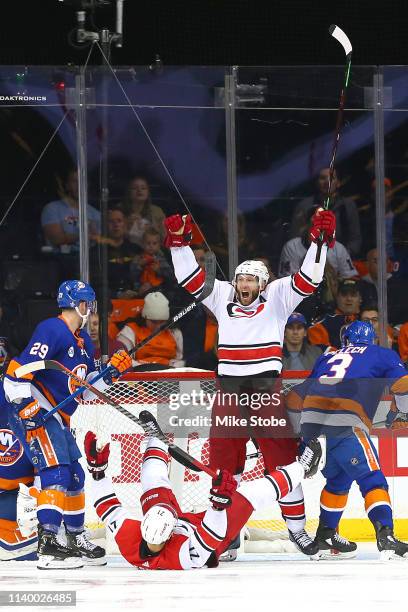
{"x":158,"y":524}
{"x":255,"y":268}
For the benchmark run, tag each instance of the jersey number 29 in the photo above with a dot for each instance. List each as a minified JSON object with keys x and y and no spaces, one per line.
{"x":39,"y":349}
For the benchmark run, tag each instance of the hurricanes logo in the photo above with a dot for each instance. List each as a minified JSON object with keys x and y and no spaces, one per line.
{"x":10,"y":448}
{"x":235,"y":311}
{"x":80,"y":371}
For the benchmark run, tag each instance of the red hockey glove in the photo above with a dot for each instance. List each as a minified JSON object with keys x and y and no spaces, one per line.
{"x":97,"y":459}
{"x":223,"y":487}
{"x":323,"y":222}
{"x":178,"y":231}
{"x":119,"y":362}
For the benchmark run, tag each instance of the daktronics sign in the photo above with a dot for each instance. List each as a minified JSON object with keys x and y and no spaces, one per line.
{"x":23,"y":98}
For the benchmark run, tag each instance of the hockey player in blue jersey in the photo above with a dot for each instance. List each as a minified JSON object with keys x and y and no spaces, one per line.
{"x":52,"y":447}
{"x":15,"y":468}
{"x":340,"y":400}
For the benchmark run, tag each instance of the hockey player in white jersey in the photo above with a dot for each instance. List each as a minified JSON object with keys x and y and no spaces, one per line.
{"x":251,"y":317}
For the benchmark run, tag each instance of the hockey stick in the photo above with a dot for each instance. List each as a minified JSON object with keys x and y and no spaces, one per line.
{"x":49,"y":364}
{"x":343,"y":39}
{"x":210,"y":270}
{"x":150,"y":427}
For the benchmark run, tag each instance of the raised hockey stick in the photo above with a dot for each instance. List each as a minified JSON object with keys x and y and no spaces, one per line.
{"x":148,"y":423}
{"x":210,"y":270}
{"x":343,"y":39}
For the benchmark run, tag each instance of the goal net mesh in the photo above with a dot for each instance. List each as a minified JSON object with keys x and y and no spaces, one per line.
{"x":151,"y":391}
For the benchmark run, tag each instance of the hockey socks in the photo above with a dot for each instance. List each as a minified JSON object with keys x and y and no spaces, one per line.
{"x":274,"y":486}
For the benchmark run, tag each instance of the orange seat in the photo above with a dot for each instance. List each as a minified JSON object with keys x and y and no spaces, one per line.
{"x":125,"y":309}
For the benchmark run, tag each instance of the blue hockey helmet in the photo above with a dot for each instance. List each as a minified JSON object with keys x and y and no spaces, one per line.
{"x":359,"y":332}
{"x":71,"y":293}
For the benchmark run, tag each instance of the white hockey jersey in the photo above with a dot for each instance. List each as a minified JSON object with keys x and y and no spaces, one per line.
{"x":250,"y":338}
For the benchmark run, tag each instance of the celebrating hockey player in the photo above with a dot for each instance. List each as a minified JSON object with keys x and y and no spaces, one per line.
{"x":251,"y":317}
{"x":51,"y":445}
{"x":168,"y":538}
{"x":340,"y":400}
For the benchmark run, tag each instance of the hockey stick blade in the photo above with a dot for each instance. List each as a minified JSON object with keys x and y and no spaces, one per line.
{"x":28,"y":368}
{"x":342,"y":38}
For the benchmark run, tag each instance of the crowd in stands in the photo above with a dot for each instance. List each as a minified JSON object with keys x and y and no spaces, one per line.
{"x":145,"y":293}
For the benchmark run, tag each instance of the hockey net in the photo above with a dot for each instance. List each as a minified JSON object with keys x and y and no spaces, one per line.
{"x":151,"y":391}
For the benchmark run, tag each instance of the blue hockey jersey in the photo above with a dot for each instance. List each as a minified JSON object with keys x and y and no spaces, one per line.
{"x":345,"y":386}
{"x":15,"y":466}
{"x":52,"y":339}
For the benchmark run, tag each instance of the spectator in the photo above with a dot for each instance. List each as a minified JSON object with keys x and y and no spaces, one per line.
{"x":294,"y":251}
{"x":246,"y":246}
{"x":396,"y":287}
{"x":121,"y":253}
{"x":298,"y":353}
{"x":141,"y":212}
{"x":60,"y":219}
{"x":367,"y":215}
{"x":167,"y":347}
{"x":328,"y":331}
{"x":150,"y":270}
{"x":369,"y":314}
{"x":347,"y":219}
{"x":113,"y":345}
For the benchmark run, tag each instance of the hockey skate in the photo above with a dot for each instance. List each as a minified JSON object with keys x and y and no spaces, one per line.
{"x":304,"y":543}
{"x":52,"y":554}
{"x":388,"y":545}
{"x":91,"y":553}
{"x":232,"y":551}
{"x":150,"y":425}
{"x":310,"y":458}
{"x":332,"y":546}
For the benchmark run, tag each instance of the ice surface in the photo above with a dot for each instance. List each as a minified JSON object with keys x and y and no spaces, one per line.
{"x":256,"y":582}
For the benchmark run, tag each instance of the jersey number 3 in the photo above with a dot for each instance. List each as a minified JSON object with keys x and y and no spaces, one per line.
{"x":39,"y":349}
{"x":338,"y":369}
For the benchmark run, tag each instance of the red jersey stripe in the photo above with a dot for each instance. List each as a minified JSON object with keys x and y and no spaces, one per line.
{"x":302,"y":284}
{"x":195,"y":284}
{"x":248,"y":353}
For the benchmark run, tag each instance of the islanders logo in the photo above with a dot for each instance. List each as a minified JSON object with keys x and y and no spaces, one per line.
{"x":10,"y":448}
{"x":80,"y":371}
{"x":235,"y":311}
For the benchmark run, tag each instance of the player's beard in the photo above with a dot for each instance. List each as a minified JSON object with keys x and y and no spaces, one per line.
{"x":245,"y":298}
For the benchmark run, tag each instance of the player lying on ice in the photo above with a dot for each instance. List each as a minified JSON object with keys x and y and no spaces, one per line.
{"x":48,"y":442}
{"x":251,"y":316}
{"x":168,"y":538}
{"x":339,"y":400}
